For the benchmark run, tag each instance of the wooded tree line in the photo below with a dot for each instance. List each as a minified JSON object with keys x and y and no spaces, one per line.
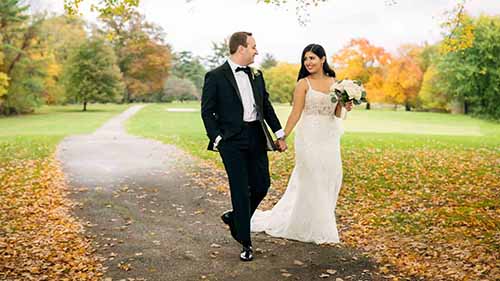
{"x":62,"y":59}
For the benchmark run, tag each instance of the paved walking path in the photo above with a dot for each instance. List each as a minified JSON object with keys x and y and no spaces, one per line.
{"x":151,"y":221}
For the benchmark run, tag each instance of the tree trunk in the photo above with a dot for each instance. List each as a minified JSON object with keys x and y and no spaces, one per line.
{"x":367,"y":106}
{"x":407,"y":107}
{"x":17,"y":58}
{"x":84,"y":106}
{"x":27,"y":41}
{"x":126,"y":95}
{"x":466,"y":108}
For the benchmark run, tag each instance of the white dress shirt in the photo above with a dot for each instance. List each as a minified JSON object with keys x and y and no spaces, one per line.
{"x":247,"y":99}
{"x":246,"y":92}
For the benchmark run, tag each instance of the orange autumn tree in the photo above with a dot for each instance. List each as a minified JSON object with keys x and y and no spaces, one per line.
{"x":143,"y":55}
{"x":404,"y":77}
{"x":360,"y":60}
{"x":147,"y":65}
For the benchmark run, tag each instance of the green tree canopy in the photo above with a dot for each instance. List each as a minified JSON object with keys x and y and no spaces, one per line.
{"x":220,"y":54}
{"x":22,"y":68}
{"x":281,"y":81}
{"x":187,"y":66}
{"x":94,"y":75}
{"x":268,"y":61}
{"x":472,"y":75}
{"x":143,"y":56}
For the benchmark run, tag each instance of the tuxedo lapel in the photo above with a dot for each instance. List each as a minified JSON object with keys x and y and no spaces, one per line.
{"x":256,"y":95}
{"x":228,"y":73}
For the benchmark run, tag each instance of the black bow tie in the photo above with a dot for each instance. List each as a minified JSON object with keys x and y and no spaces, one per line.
{"x":244,"y":69}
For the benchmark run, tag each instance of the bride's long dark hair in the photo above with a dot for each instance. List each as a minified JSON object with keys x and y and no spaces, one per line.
{"x":320,"y":52}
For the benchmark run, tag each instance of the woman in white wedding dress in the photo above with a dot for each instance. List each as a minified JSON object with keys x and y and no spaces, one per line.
{"x":306,"y":211}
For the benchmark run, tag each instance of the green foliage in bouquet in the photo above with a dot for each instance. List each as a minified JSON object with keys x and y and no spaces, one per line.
{"x":353,"y":91}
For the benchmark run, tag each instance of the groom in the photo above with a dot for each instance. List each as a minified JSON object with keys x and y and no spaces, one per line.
{"x":234,"y":106}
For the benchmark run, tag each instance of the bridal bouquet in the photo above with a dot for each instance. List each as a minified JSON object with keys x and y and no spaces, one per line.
{"x":348,"y":90}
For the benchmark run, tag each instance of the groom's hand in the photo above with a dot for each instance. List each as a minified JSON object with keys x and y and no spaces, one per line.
{"x":281,"y":145}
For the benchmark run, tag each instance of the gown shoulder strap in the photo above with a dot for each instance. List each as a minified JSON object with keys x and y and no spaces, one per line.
{"x":308,"y":83}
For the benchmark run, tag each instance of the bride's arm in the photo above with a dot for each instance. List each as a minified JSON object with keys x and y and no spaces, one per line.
{"x":299,"y":98}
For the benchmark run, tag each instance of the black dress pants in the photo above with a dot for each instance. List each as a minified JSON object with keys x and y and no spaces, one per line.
{"x":247,"y":166}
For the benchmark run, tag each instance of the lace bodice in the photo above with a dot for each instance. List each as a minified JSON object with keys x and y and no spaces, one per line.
{"x":318,"y":103}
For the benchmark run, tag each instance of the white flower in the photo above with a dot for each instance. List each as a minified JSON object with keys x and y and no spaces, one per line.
{"x":337,"y":86}
{"x":255,"y":72}
{"x":353,"y":90}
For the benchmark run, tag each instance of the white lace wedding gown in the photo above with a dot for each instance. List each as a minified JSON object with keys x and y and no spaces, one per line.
{"x":306,"y":212}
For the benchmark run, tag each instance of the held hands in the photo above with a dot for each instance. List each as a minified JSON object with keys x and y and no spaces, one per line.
{"x":281,"y":144}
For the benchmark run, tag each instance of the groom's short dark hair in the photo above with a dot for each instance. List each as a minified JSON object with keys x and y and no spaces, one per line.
{"x":237,"y":39}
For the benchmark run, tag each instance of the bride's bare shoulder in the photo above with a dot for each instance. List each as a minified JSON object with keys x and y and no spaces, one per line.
{"x":302,"y":84}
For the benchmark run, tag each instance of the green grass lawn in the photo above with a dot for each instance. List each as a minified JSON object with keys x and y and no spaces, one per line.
{"x":410,"y":179}
{"x":36,"y":135}
{"x":378,"y":129}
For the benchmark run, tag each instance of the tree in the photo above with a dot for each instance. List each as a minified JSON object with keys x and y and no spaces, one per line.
{"x":429,"y":55}
{"x":11,"y":12}
{"x":4,"y":84}
{"x":403,"y":81}
{"x":179,"y":89}
{"x":472,"y":75}
{"x":220,"y":54}
{"x":22,"y":66}
{"x":360,"y":60}
{"x":145,"y":67}
{"x":281,"y":81}
{"x":187,"y":66}
{"x":4,"y":79}
{"x":459,"y":30}
{"x":63,"y":35}
{"x":375,"y":86}
{"x":268,"y":61}
{"x":143,"y":56}
{"x":430,"y":95}
{"x":94,"y":75}
{"x":104,"y":7}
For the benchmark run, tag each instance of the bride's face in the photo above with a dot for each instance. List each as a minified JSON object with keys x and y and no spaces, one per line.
{"x":313,"y":63}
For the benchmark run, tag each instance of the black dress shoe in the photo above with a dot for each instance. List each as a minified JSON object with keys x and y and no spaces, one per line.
{"x":227,"y":218}
{"x":246,"y":253}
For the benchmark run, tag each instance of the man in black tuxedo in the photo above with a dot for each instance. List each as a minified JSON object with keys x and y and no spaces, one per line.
{"x":234,"y":106}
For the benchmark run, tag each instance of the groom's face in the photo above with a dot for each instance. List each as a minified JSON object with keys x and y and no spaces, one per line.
{"x":250,"y":51}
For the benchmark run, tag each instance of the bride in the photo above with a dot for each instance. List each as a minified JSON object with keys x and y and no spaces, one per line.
{"x":306,"y":212}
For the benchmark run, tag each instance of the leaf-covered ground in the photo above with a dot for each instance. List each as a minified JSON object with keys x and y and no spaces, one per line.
{"x":429,"y":213}
{"x":424,"y":205}
{"x":39,"y":239}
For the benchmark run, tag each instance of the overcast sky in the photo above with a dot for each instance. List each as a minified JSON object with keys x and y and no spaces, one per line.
{"x":193,"y":26}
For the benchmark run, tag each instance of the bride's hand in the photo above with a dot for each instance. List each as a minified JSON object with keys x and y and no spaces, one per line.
{"x":281,"y":145}
{"x":348,"y":106}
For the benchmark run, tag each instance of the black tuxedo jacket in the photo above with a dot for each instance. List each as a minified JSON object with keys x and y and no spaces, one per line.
{"x":222,"y":108}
